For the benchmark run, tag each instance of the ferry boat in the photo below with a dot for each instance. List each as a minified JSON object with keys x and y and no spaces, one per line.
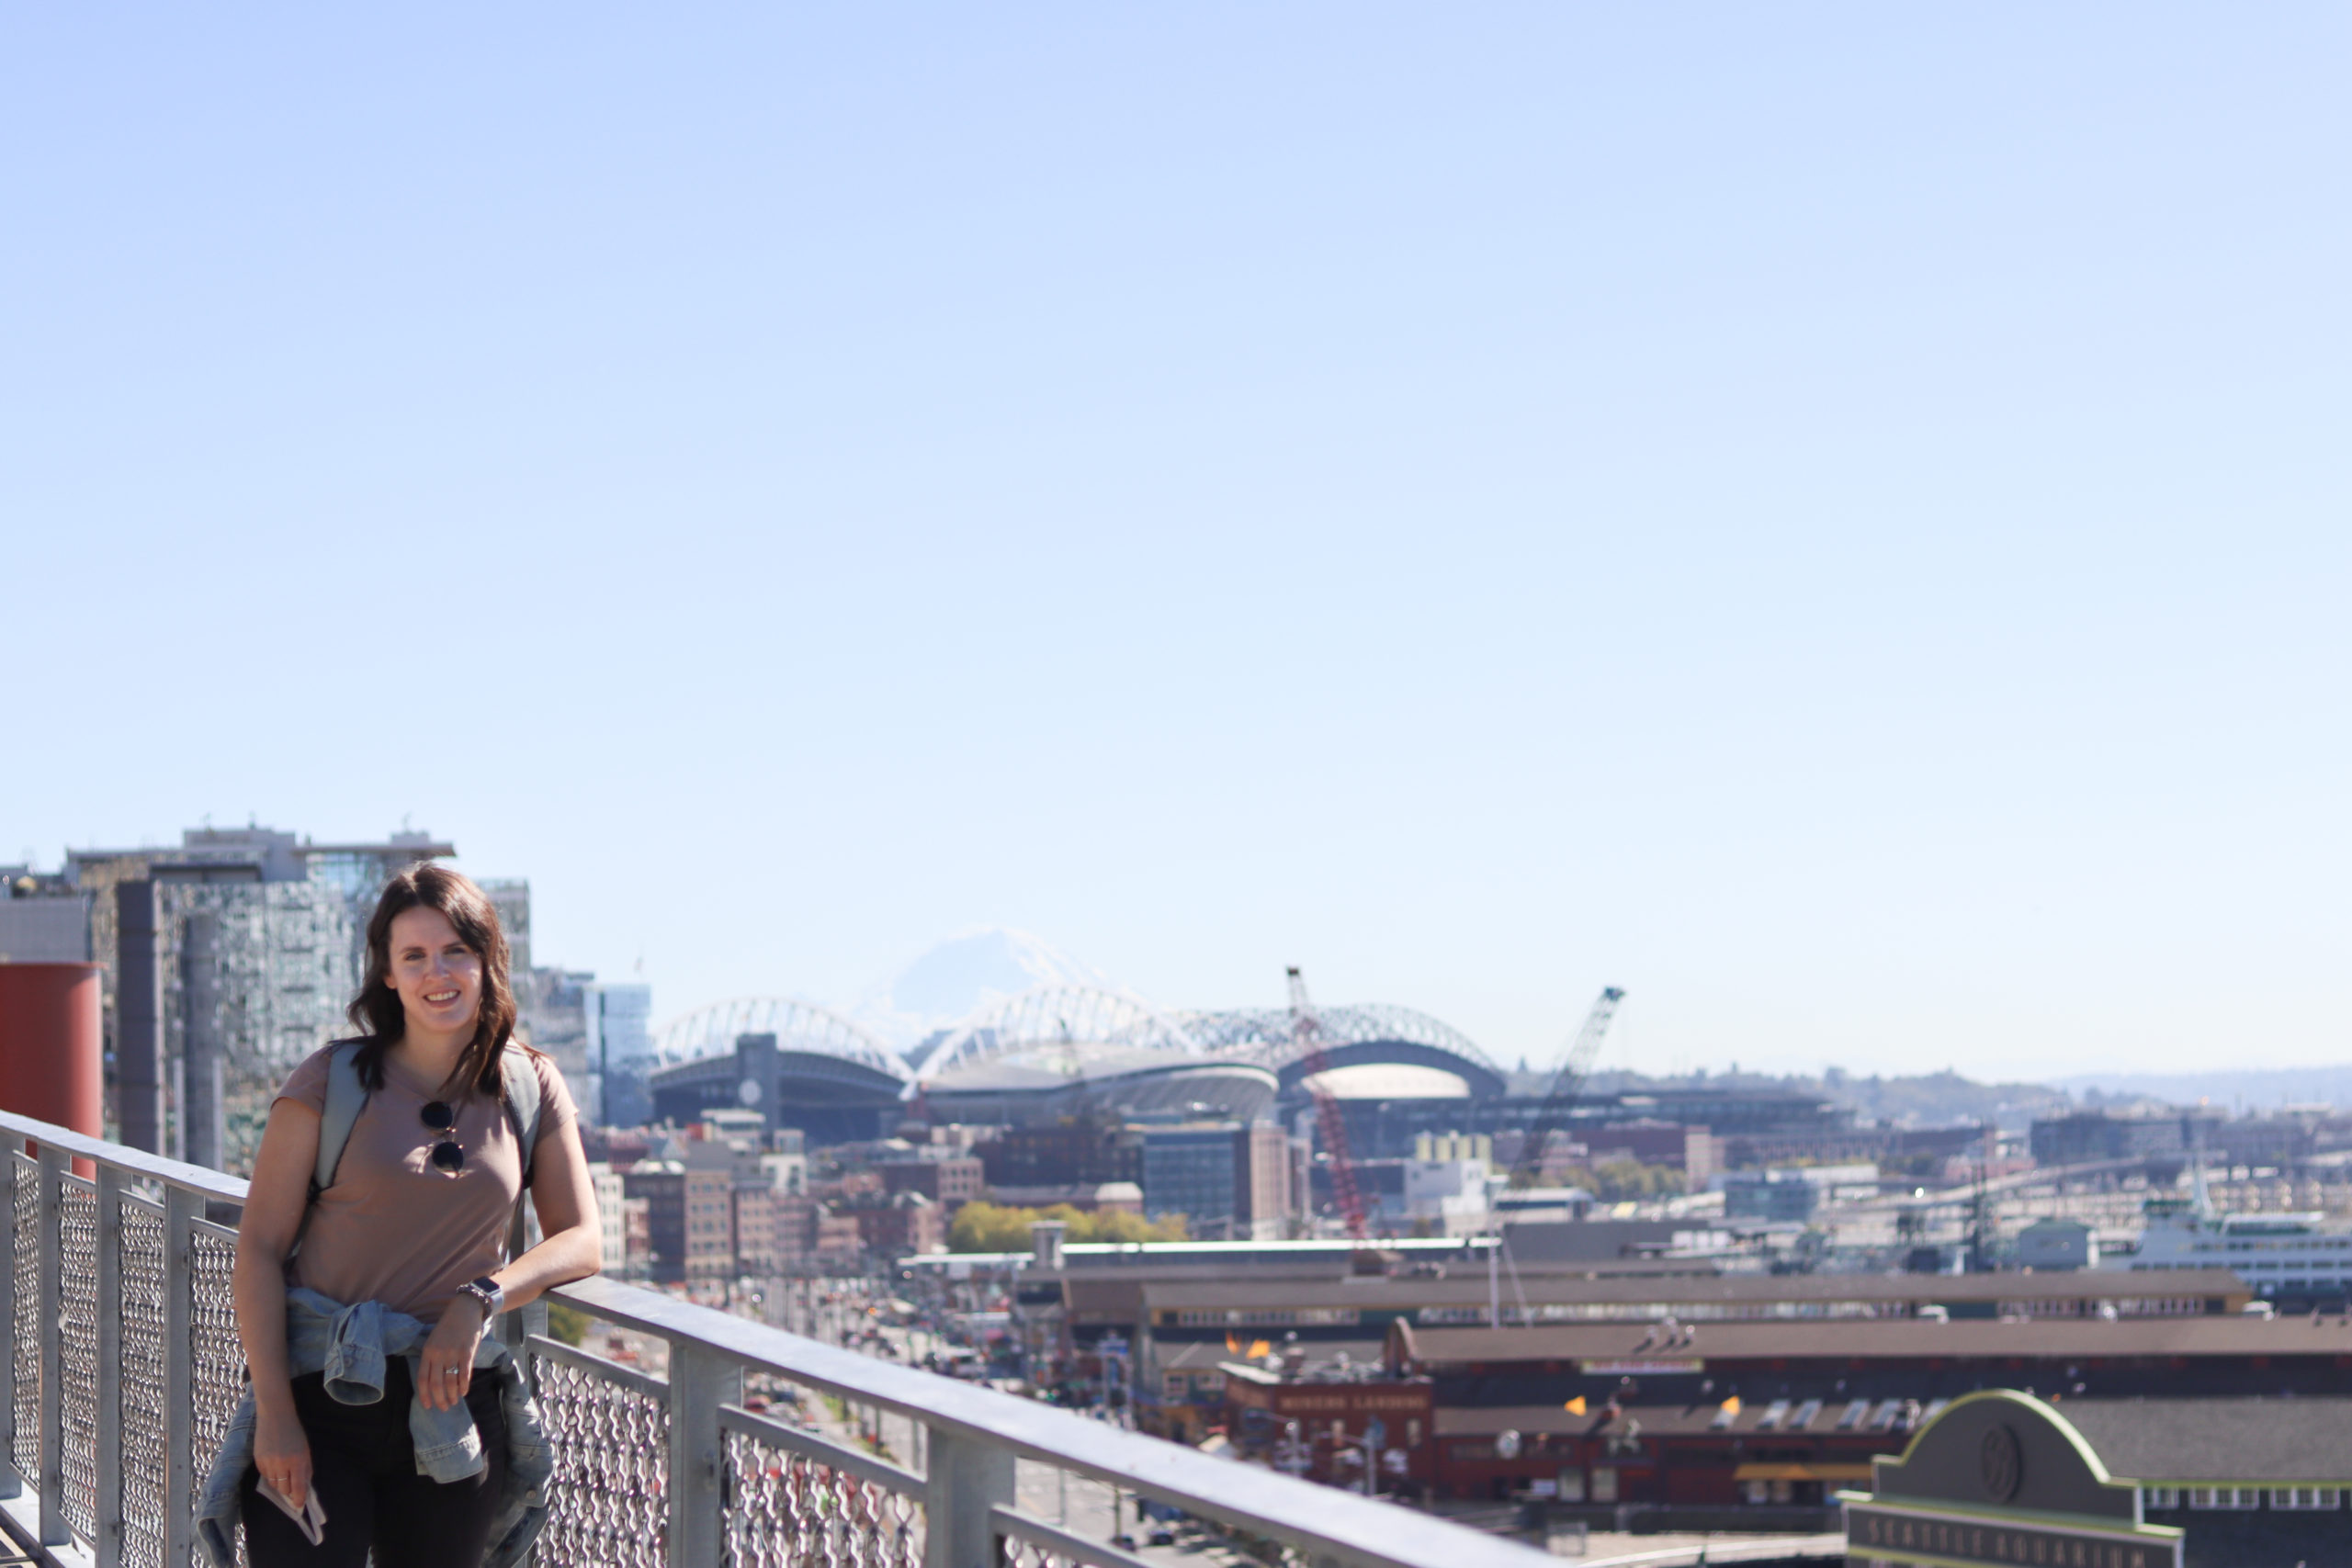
{"x":2289,"y":1259}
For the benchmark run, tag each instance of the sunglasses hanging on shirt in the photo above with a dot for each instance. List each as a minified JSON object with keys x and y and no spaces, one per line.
{"x":448,"y":1156}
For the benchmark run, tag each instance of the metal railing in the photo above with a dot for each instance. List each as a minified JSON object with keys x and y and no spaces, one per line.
{"x":122,"y":1366}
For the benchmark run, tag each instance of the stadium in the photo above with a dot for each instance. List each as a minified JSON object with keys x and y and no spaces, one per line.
{"x":1049,"y":1054}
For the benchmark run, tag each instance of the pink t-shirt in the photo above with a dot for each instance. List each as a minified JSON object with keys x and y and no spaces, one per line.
{"x":394,"y":1229}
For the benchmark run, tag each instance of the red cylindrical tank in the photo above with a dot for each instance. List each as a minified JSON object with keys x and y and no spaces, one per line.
{"x":51,"y":1061}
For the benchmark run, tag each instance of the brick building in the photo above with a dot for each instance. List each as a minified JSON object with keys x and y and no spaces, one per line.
{"x":951,"y":1182}
{"x":1327,"y":1426}
{"x":898,"y":1224}
{"x":689,"y":1220}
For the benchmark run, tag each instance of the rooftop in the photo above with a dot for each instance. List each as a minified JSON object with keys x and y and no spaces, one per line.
{"x":1864,"y":1339}
{"x":1651,"y":1293}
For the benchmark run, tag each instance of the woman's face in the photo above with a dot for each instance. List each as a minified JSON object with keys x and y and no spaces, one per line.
{"x":436,"y":975}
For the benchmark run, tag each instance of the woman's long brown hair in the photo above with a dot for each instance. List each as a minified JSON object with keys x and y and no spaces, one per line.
{"x":377,"y":1009}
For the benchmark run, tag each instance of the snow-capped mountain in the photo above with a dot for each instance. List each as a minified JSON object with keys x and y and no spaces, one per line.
{"x":968,"y":971}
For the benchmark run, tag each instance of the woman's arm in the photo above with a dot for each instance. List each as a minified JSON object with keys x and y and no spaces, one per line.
{"x":574,"y":1248}
{"x":565,"y":1197}
{"x":275,"y":1203}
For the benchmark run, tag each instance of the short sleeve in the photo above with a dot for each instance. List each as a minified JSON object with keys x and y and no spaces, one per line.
{"x":556,"y":1107}
{"x":308,"y":1083}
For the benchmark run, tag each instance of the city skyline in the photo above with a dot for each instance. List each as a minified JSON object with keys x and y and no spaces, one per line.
{"x":964,"y":974}
{"x":1830,"y":523}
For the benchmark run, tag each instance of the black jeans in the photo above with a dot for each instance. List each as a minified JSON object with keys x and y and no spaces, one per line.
{"x":363,"y":1466}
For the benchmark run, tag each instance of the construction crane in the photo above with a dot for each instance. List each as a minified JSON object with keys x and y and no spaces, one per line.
{"x":1566,"y":1084}
{"x":1307,"y":1035}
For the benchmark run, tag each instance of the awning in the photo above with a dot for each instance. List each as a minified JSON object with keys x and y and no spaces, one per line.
{"x":1802,"y":1472}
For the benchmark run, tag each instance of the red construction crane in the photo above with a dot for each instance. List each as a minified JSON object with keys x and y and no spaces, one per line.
{"x":1307,"y":1034}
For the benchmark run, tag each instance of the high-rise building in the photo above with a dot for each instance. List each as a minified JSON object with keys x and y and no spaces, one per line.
{"x":228,"y":957}
{"x":231,"y":956}
{"x":551,"y":1014}
{"x":1265,"y":1201}
{"x":578,"y":1020}
{"x":1190,"y":1170}
{"x":618,"y":1052}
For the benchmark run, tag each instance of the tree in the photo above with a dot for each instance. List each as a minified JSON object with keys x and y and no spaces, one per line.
{"x":982,"y":1226}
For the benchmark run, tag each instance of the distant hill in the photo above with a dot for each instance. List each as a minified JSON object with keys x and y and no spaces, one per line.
{"x":1941,"y":1099}
{"x":2263,"y":1090}
{"x":1928,"y":1100}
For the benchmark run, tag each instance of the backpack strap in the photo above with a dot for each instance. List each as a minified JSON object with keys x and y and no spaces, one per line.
{"x":520,"y":1080}
{"x":346,"y":1098}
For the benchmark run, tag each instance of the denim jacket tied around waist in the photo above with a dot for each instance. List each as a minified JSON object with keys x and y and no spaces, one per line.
{"x":350,"y":1345}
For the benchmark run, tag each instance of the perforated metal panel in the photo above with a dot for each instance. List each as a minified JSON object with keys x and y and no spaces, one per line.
{"x":216,"y":1358}
{"x":27,"y":1334}
{"x":606,"y":1500}
{"x":78,"y":1374}
{"x":786,"y":1510}
{"x":140,"y":1370}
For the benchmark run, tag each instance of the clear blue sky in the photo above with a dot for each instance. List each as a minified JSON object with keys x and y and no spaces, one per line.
{"x":1831,"y":518}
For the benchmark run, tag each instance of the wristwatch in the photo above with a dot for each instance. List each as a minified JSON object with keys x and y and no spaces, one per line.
{"x":488,"y":1292}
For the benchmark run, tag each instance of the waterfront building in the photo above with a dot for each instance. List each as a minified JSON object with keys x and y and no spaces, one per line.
{"x":1331,"y":1420}
{"x":2005,"y":1477}
{"x":1673,"y":1413}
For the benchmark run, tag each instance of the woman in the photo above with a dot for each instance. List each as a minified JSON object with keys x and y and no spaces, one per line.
{"x":414,"y":1217}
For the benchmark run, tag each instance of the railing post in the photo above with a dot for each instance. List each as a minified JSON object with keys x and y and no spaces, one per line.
{"x":181,"y":1209}
{"x":963,"y":1482}
{"x":701,"y":1379}
{"x":49,"y":1235}
{"x":11,"y":1484}
{"x":110,"y":1412}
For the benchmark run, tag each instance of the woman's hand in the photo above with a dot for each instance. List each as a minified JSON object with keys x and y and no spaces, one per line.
{"x":282,"y":1453}
{"x":446,"y":1367}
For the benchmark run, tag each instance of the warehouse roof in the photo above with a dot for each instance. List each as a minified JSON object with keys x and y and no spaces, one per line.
{"x":2264,"y":1443}
{"x":1655,"y":1294}
{"x":1867,"y":1338}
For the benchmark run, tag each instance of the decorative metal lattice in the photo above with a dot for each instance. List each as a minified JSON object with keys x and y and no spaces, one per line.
{"x":608,"y":1506}
{"x":787,"y":1510}
{"x":28,"y":1325}
{"x":216,"y":1358}
{"x":78,"y":1352}
{"x":140,"y":1375}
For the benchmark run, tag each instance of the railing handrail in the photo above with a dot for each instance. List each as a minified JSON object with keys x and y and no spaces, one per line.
{"x":1357,"y":1529}
{"x":1257,"y":1500}
{"x":137,"y":1162}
